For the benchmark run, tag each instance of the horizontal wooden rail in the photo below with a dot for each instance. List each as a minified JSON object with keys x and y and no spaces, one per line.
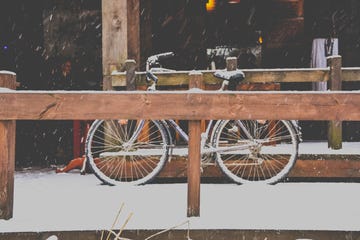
{"x":252,"y":76}
{"x":186,"y":105}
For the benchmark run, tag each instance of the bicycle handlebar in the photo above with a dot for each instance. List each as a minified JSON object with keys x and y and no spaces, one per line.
{"x":165,"y":55}
{"x":152,"y":60}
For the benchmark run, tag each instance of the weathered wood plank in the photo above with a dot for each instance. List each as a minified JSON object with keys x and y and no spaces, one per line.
{"x":145,"y":30}
{"x":114,"y":33}
{"x":335,"y":127}
{"x":183,"y":105}
{"x":7,"y":152}
{"x":193,"y":209}
{"x":320,"y":166}
{"x":252,"y":76}
{"x":8,"y":80}
{"x":130,"y":66}
{"x":253,"y":234}
{"x":7,"y":168}
{"x":193,"y":169}
{"x":133,"y":30}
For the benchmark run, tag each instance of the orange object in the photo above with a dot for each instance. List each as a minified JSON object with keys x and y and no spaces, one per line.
{"x":76,"y":163}
{"x":210,"y":5}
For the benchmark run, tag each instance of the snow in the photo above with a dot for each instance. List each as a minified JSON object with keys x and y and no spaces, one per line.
{"x":322,"y":148}
{"x":45,"y":201}
{"x":7,"y":72}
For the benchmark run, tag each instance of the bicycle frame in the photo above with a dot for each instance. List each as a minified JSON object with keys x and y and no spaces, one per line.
{"x":245,"y":150}
{"x":204,"y":137}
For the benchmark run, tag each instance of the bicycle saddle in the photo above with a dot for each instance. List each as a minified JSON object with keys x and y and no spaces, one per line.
{"x":236,"y":75}
{"x":233,"y":77}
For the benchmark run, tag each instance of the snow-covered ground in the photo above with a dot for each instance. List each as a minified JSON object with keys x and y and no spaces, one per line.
{"x":322,"y":148}
{"x":45,"y":201}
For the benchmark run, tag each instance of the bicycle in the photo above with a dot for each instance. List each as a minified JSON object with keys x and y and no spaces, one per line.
{"x":129,"y":151}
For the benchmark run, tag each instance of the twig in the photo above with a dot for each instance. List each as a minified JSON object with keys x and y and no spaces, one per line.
{"x":123,"y":226}
{"x":120,"y":238}
{"x":114,"y":223}
{"x":166,"y":230}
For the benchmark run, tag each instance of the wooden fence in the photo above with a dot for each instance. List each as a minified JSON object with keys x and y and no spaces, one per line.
{"x":256,"y":80}
{"x":186,"y":105}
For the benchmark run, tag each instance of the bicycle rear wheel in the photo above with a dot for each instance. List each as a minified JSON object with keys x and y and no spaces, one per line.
{"x":252,"y":151}
{"x":126,"y":151}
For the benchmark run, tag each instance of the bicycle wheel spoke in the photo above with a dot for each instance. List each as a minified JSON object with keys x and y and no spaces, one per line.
{"x":126,"y":151}
{"x":270,"y":154}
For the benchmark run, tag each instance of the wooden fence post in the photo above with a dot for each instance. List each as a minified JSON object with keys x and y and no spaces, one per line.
{"x":193,"y":169}
{"x":231,"y":63}
{"x":335,"y":127}
{"x":130,"y":67}
{"x":7,"y":154}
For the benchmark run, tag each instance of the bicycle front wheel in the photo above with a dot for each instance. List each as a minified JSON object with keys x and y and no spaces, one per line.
{"x":260,"y":151}
{"x":126,"y":151}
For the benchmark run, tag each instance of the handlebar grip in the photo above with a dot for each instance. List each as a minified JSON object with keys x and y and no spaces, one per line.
{"x":150,"y":75}
{"x":165,"y":55}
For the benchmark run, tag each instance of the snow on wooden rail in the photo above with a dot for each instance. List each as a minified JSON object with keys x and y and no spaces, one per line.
{"x":252,"y":76}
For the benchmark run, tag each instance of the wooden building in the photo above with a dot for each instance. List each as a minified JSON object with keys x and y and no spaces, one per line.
{"x":101,"y":34}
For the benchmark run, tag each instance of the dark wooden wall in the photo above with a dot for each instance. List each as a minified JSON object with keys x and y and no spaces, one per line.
{"x":183,"y":26}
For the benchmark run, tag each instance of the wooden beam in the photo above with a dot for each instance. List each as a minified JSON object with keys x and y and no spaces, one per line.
{"x":7,"y":168}
{"x":114,"y":33}
{"x":133,"y":30}
{"x":251,"y":76}
{"x":193,"y":169}
{"x":8,"y":80}
{"x":120,"y":35}
{"x":183,"y":105}
{"x":7,"y":153}
{"x":231,"y":63}
{"x":306,"y":166}
{"x":130,"y":66}
{"x":145,"y":31}
{"x":335,"y":127}
{"x":193,"y":210}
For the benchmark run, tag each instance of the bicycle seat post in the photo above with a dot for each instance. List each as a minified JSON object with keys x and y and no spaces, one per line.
{"x":231,"y":63}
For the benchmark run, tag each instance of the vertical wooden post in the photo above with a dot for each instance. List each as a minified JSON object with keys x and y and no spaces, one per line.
{"x":335,"y":127}
{"x":120,"y":35}
{"x":145,"y":31}
{"x":130,"y":67}
{"x":133,"y":30}
{"x":193,"y":169}
{"x":7,"y":168}
{"x":114,"y":41}
{"x":231,"y":63}
{"x":7,"y":155}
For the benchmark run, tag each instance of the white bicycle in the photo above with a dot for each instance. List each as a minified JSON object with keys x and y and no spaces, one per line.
{"x":130,"y":151}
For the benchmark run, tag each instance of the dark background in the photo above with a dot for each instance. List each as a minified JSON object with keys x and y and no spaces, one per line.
{"x":36,"y":33}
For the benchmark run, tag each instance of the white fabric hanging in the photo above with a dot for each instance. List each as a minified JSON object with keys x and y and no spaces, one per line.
{"x":321,"y":48}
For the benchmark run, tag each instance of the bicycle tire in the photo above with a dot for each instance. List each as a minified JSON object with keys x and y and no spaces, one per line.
{"x":116,"y":162}
{"x":269,"y":152}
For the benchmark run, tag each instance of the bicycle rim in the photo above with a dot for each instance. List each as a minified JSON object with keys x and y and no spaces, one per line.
{"x":126,"y":151}
{"x":270,"y":150}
